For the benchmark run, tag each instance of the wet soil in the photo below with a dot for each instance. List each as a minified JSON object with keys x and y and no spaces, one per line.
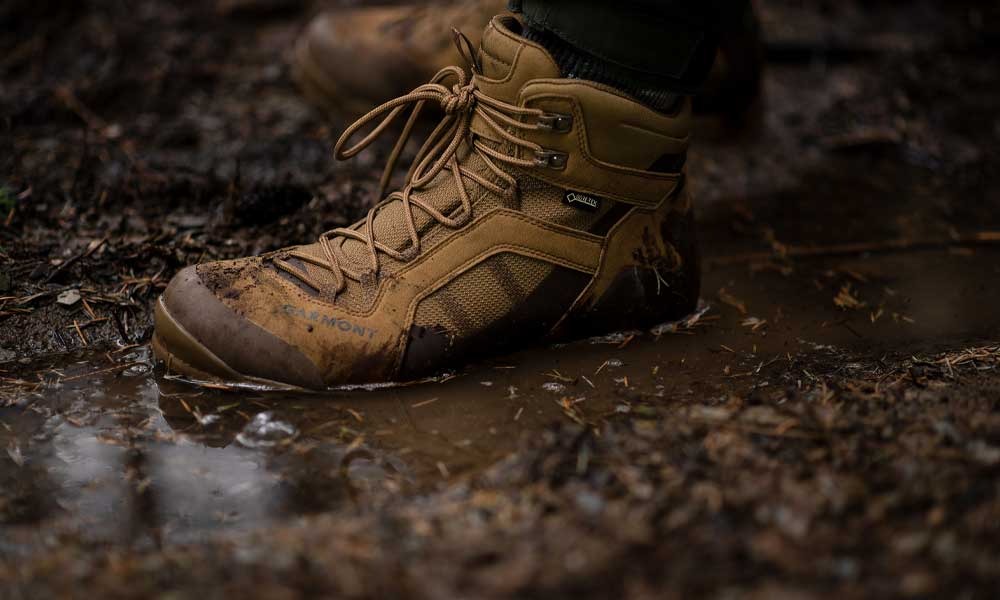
{"x":826,"y":426}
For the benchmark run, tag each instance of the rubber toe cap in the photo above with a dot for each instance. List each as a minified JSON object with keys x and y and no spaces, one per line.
{"x":202,"y":332}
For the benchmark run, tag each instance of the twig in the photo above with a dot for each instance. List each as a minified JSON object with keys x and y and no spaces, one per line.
{"x":79,"y":332}
{"x":981,"y":238}
{"x":77,"y":325}
{"x":71,"y":261}
{"x":101,"y":371}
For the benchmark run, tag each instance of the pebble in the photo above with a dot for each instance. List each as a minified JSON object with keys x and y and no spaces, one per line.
{"x":554,"y":386}
{"x":265,"y":431}
{"x":68,"y":298}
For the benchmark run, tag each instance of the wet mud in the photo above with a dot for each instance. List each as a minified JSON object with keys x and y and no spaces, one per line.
{"x":824,"y":426}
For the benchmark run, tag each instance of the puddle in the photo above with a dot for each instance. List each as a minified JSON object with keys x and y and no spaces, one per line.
{"x":106,"y":447}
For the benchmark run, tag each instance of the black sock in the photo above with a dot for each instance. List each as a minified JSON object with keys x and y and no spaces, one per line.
{"x":579,"y":64}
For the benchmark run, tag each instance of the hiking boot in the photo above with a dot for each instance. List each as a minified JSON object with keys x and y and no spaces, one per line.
{"x":541,"y":208}
{"x":348,"y":61}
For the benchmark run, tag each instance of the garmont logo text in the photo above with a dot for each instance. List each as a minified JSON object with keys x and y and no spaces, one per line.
{"x":340,"y":324}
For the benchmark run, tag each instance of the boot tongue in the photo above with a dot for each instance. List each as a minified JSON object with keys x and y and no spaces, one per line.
{"x":508,"y":61}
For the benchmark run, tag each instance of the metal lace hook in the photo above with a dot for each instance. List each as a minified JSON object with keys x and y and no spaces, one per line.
{"x":467,"y":50}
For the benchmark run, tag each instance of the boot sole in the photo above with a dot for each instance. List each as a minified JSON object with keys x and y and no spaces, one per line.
{"x":186,"y":356}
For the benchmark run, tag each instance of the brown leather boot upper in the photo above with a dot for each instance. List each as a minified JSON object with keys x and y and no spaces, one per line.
{"x":541,"y":207}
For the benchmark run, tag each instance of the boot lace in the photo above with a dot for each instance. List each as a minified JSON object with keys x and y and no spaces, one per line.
{"x":461,"y":103}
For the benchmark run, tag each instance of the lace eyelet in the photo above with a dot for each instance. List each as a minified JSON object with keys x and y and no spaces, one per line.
{"x":556,"y":122}
{"x":551,"y":159}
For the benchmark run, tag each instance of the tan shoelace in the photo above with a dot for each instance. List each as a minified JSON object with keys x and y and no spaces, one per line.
{"x":461,"y":103}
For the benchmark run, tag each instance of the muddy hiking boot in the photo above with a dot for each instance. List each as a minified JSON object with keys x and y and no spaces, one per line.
{"x":347,"y":61}
{"x":540,"y":209}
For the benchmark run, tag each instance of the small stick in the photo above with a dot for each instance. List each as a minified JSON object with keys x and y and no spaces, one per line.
{"x":79,"y":332}
{"x":108,"y":370}
{"x":980,"y":238}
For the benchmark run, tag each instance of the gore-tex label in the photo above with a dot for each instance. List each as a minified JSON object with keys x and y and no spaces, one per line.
{"x":582,"y":201}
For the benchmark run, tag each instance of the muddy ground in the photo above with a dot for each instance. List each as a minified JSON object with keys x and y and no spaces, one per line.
{"x":827,"y":425}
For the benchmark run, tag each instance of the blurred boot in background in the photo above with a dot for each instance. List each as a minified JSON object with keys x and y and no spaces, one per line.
{"x":348,"y":61}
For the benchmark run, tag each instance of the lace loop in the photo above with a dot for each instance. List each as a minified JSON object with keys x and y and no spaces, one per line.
{"x":459,"y":100}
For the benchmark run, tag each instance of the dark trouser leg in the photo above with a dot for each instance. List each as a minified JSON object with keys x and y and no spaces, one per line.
{"x":643,"y":46}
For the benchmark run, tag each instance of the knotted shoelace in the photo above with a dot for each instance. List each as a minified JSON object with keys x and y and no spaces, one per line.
{"x":461,"y":103}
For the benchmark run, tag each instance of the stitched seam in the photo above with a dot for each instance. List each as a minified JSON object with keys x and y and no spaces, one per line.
{"x":601,"y":87}
{"x":510,"y":72}
{"x":483,"y":50}
{"x":511,"y":214}
{"x":506,"y":248}
{"x":685,"y":139}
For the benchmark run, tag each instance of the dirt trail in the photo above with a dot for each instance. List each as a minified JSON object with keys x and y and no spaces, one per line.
{"x":827,"y":427}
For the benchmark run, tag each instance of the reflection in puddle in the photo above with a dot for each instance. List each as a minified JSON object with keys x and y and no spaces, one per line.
{"x":102,"y":458}
{"x":88,"y":472}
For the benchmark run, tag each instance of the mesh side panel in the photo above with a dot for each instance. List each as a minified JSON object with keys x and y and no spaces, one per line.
{"x":483,"y":294}
{"x":357,"y":296}
{"x":433,"y":312}
{"x":441,"y":193}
